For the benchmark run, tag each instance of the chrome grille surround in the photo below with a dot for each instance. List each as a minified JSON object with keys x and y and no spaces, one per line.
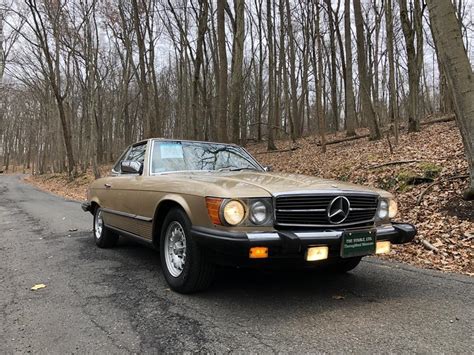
{"x":311,"y":209}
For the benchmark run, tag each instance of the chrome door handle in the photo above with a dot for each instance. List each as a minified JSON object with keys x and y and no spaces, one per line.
{"x":107,"y":186}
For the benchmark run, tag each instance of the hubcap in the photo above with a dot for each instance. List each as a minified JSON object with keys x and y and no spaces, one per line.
{"x":175,"y":248}
{"x":98,"y":225}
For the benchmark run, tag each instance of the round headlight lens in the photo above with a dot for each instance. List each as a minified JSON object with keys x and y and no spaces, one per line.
{"x":392,"y":208}
{"x":233,"y":212}
{"x":259,"y":212}
{"x":382,"y":212}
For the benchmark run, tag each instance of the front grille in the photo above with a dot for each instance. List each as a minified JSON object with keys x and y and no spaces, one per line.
{"x":312,"y":210}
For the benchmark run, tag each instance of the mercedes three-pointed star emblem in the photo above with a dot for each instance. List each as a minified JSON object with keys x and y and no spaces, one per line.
{"x":338,"y":210}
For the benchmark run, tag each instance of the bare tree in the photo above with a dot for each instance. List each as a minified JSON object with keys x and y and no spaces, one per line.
{"x":349,"y":89}
{"x":221,"y":44}
{"x":392,"y":95}
{"x":52,"y":68}
{"x":452,"y":54}
{"x":364,"y":79}
{"x":236,"y":76}
{"x":413,"y":28}
{"x":2,"y":52}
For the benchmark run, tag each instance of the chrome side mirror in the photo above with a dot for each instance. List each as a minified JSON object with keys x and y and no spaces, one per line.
{"x":131,"y":167}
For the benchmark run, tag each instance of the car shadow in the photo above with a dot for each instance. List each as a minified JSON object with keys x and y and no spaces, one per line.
{"x":368,"y":283}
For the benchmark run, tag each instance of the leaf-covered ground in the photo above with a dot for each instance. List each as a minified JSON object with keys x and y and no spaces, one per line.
{"x":445,"y":222}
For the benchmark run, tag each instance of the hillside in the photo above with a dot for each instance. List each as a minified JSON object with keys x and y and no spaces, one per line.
{"x":426,"y":173}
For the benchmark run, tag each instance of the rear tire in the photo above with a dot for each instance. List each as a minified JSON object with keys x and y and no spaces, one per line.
{"x":345,"y":265}
{"x":104,"y":237}
{"x":184,"y":266}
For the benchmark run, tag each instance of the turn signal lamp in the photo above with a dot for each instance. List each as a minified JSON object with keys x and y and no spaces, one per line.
{"x":258,"y":253}
{"x":383,"y":247}
{"x":317,"y":253}
{"x":213,"y":208}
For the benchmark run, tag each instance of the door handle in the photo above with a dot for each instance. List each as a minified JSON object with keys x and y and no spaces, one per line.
{"x":107,"y":186}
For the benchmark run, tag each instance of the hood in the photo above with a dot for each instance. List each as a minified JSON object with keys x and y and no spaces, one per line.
{"x":258,"y":184}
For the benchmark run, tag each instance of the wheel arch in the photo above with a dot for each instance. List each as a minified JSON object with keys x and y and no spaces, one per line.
{"x":94,"y":205}
{"x":165,"y":205}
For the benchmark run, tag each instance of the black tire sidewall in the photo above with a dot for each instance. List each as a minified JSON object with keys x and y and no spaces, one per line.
{"x":182,"y":282}
{"x":98,"y":240}
{"x":108,"y":238}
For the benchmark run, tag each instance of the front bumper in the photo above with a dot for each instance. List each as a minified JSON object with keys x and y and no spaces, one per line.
{"x":232,"y":248}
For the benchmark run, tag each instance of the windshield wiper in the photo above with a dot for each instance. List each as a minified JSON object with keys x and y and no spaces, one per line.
{"x":234,"y":168}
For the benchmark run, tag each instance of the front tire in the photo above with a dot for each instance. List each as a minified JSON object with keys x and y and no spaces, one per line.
{"x":104,"y":237}
{"x":184,"y":266}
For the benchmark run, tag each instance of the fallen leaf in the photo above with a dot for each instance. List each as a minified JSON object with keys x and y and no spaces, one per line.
{"x":38,"y":287}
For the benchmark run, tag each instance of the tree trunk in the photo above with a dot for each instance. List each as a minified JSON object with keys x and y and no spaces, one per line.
{"x":271,"y":78}
{"x":364,"y":85}
{"x":222,"y":96}
{"x":237,"y":62}
{"x":453,"y":56}
{"x":392,"y":95}
{"x":333,"y":72}
{"x":410,"y":29}
{"x":2,"y":53}
{"x":319,"y":85}
{"x":295,"y":120}
{"x":202,"y":27}
{"x":349,"y":89}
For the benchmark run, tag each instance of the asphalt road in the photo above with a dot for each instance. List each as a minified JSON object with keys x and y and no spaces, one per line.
{"x":116,"y":301}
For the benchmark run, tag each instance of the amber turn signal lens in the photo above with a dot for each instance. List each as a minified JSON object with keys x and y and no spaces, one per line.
{"x":258,"y":253}
{"x":383,"y":247}
{"x":213,"y":208}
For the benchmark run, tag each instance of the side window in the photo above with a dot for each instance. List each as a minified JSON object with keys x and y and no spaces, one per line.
{"x":116,"y":168}
{"x":137,"y":153}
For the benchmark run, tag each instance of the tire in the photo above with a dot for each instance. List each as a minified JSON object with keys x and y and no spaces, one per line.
{"x":345,"y":265}
{"x":104,"y":237}
{"x":184,"y":266}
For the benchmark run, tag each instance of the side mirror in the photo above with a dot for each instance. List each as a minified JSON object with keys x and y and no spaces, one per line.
{"x":268,"y":168}
{"x":131,"y":167}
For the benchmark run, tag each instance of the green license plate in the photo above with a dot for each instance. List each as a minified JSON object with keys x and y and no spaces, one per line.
{"x":358,"y":243}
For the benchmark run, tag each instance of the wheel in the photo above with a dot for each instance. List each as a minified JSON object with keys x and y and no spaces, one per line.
{"x":345,"y":265}
{"x":184,"y":267}
{"x":104,"y":237}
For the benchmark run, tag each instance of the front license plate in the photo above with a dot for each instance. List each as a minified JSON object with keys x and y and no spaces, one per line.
{"x":358,"y":243}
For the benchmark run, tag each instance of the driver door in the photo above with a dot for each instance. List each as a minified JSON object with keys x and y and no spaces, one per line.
{"x":120,"y":196}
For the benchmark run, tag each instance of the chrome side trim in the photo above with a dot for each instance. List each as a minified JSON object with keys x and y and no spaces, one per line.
{"x":128,"y":215}
{"x":263,"y":236}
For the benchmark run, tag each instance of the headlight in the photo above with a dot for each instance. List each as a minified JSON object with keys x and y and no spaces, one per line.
{"x":233,"y":212}
{"x":392,"y":208}
{"x":382,"y":211}
{"x":259,"y":212}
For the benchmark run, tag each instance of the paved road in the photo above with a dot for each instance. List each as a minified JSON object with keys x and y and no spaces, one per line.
{"x":116,"y":301}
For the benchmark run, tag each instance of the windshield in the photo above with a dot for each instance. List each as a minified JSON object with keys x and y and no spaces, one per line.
{"x":182,"y":156}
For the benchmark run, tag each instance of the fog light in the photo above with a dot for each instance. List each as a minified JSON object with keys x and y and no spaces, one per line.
{"x":383,"y":247}
{"x":258,"y":253}
{"x":317,"y":253}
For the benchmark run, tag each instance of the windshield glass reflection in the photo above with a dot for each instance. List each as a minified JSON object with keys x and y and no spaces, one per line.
{"x":170,"y":156}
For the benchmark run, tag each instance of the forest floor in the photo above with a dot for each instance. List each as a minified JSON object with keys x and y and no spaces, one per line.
{"x":427,"y":172}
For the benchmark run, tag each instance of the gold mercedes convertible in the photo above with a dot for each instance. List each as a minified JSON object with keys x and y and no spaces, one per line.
{"x":205,"y":204}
